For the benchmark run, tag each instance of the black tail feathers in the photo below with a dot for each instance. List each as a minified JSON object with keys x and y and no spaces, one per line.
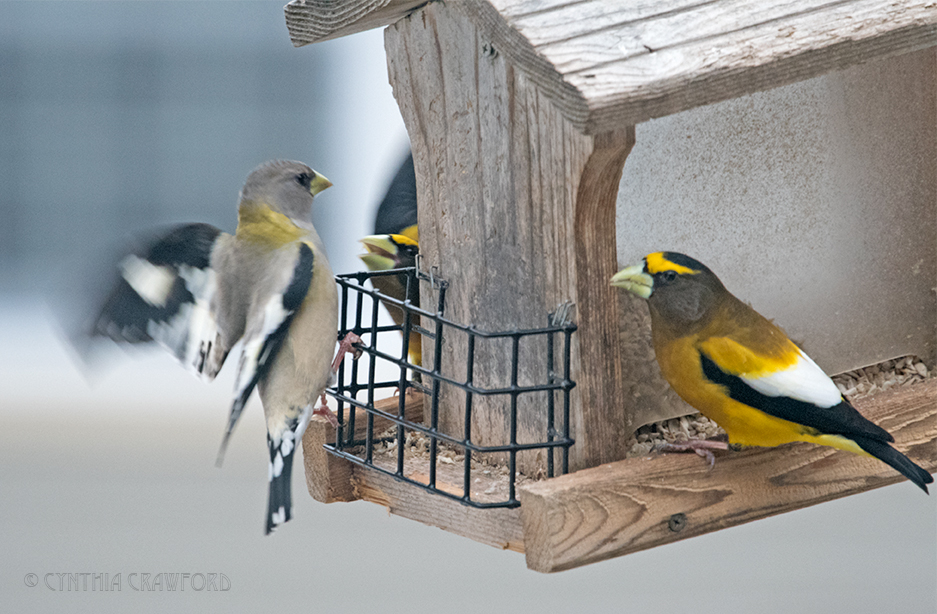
{"x":279,"y":502}
{"x":901,"y":463}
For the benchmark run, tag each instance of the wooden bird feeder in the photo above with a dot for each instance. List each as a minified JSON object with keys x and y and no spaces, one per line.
{"x":521,"y":115}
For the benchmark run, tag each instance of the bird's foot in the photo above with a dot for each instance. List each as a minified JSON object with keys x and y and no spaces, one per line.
{"x":703,"y":447}
{"x":326,"y":413}
{"x":346,"y":346}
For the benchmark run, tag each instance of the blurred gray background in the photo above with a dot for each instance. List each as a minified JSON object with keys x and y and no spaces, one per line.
{"x":118,"y":117}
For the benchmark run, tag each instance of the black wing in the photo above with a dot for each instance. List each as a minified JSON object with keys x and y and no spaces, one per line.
{"x":164,"y":294}
{"x":397,"y":210}
{"x":842,"y":419}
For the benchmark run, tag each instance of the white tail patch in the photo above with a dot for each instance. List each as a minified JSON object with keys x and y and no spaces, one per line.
{"x":279,"y":516}
{"x":277,"y":465}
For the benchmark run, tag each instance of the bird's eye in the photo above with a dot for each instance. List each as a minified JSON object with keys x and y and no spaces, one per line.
{"x":669,"y":276}
{"x":304,"y":179}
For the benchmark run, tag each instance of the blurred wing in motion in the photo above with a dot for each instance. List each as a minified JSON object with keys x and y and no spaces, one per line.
{"x":164,"y":294}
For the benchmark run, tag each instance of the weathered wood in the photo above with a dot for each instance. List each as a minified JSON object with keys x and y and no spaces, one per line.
{"x":313,"y":21}
{"x":328,"y":477}
{"x":627,"y":506}
{"x":646,"y":393}
{"x":498,"y":527}
{"x":607,"y":64}
{"x":517,"y":211}
{"x":489,"y":483}
{"x":331,"y":479}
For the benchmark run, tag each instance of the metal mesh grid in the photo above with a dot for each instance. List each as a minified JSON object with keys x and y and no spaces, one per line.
{"x":433,"y":326}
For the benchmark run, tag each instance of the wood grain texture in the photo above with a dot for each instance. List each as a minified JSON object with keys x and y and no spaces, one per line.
{"x":607,"y":64}
{"x":313,"y":21}
{"x":517,"y":211}
{"x":647,"y":394}
{"x":328,"y":477}
{"x":626,"y":506}
{"x":331,"y":479}
{"x":497,"y":527}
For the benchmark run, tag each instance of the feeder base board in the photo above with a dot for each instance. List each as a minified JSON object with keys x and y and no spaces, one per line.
{"x":639,"y":503}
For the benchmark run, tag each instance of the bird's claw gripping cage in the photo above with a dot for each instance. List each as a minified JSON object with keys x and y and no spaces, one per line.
{"x":433,"y":326}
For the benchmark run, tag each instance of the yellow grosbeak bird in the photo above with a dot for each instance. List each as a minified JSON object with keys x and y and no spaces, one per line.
{"x":740,"y":370}
{"x":396,"y":251}
{"x":394,"y":245}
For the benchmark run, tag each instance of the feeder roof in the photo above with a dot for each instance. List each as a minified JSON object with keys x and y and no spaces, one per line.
{"x":606,"y":64}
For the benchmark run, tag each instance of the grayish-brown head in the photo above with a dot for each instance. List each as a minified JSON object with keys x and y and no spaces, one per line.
{"x":285,"y":186}
{"x":679,"y":289}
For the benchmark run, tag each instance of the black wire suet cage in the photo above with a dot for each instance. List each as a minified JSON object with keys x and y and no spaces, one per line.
{"x":358,"y":389}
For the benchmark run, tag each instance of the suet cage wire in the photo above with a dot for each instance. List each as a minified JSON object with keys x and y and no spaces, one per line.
{"x":358,"y":389}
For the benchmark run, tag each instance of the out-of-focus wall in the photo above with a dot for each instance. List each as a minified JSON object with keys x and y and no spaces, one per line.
{"x":118,"y":117}
{"x":816,"y":202}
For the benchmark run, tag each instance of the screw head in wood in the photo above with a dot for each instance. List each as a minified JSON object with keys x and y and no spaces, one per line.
{"x":677,"y":522}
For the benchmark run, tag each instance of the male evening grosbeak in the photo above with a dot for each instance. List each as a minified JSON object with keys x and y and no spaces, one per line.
{"x":740,"y":370}
{"x":394,"y":245}
{"x":386,"y":252}
{"x":197,"y":291}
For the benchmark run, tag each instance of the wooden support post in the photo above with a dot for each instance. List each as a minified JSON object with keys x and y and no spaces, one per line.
{"x":329,"y":478}
{"x":517,"y":211}
{"x":640,"y":503}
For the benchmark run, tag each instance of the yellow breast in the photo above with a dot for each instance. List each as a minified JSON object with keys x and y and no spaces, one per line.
{"x":680,"y":365}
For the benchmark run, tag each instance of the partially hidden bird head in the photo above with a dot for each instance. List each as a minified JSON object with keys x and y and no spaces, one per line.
{"x":385,"y":252}
{"x":677,"y":287}
{"x":285,"y":186}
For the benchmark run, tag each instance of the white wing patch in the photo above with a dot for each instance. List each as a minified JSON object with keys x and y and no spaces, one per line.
{"x":277,"y":467}
{"x":189,"y":333}
{"x":152,"y":282}
{"x":173,"y":333}
{"x":802,"y":381}
{"x":274,"y":314}
{"x":202,"y":326}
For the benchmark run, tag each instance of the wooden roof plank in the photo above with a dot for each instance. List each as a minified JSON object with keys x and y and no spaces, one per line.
{"x":754,"y":59}
{"x":605,"y":64}
{"x":313,"y":21}
{"x":595,"y":18}
{"x":697,"y":52}
{"x":577,"y":44}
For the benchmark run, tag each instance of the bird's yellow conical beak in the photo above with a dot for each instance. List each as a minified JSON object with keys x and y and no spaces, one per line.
{"x":634,"y":280}
{"x":377,"y":263}
{"x":383,"y":245}
{"x":382,"y":252}
{"x":319,"y":183}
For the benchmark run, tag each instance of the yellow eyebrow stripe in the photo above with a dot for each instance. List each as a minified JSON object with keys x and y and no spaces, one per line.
{"x":657,"y":263}
{"x":403,"y":239}
{"x":412,"y":233}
